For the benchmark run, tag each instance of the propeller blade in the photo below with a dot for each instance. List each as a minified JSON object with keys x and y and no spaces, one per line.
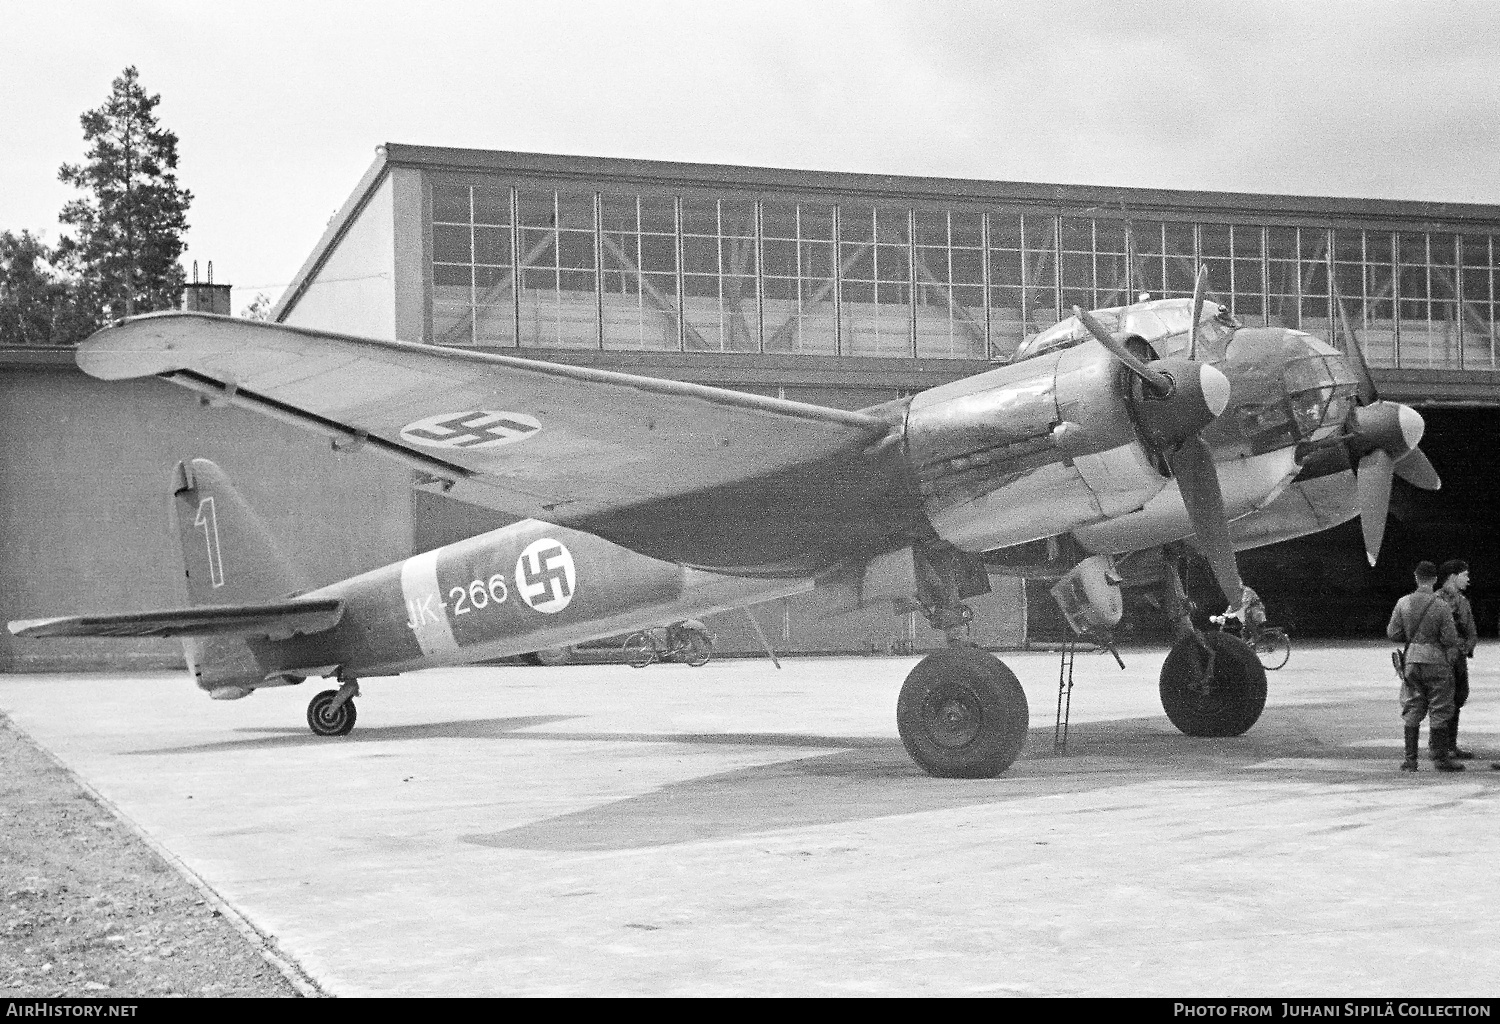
{"x":1415,"y":469}
{"x":1152,"y":379}
{"x":1374,"y":484}
{"x":1193,"y":465}
{"x":1355,"y":353}
{"x":1198,"y":287}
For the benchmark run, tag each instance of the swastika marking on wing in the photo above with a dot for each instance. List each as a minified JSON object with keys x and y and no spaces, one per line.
{"x":545,"y":575}
{"x":471,"y":430}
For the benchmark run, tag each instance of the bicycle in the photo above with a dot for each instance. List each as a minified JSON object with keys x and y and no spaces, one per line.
{"x":668,"y":643}
{"x":1271,"y":644}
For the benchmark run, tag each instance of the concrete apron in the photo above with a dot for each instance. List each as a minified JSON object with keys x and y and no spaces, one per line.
{"x":737,"y":830}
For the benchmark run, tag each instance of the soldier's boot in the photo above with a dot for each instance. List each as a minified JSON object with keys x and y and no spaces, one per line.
{"x":1454,"y":751}
{"x":1410,"y":764}
{"x":1441,"y":738}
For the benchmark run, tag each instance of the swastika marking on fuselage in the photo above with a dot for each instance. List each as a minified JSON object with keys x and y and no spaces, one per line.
{"x":471,"y":430}
{"x":545,"y":575}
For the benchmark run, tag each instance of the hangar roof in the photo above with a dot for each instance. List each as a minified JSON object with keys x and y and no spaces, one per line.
{"x":1091,"y":199}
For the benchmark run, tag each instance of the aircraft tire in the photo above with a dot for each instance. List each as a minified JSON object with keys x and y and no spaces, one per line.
{"x":324,"y":723}
{"x":553,"y":656}
{"x":1231,"y":702}
{"x":962,"y":714}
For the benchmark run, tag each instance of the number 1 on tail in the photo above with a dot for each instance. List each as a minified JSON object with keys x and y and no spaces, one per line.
{"x":208,"y":522}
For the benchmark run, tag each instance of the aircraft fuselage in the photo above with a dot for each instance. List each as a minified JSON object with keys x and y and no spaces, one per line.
{"x":521,"y":588}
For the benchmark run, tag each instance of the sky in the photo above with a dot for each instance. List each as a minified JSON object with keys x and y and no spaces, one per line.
{"x":278,"y":106}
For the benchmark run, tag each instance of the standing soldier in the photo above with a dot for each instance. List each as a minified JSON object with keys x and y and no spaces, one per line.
{"x":1453,"y":580}
{"x":1423,"y":621}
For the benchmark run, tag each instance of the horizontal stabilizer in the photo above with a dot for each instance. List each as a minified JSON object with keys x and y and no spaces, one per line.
{"x":277,"y":621}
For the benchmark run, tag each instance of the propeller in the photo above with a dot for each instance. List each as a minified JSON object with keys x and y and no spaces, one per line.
{"x":1198,"y":288}
{"x":1382,"y":439}
{"x":1193,"y":465}
{"x":1176,"y":399}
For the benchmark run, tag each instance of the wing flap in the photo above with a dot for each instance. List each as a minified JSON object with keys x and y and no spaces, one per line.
{"x":277,"y":621}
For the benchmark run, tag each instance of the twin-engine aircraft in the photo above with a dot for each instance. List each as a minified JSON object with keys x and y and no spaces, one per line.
{"x":1109,"y":441}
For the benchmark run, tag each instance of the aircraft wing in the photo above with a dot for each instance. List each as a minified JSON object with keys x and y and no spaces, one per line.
{"x":278,"y":621}
{"x":522,"y":436}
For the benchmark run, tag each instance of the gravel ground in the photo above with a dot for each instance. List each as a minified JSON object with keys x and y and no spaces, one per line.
{"x":88,"y":909}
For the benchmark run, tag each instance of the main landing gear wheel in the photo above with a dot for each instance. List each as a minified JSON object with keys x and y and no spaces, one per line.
{"x":962,"y":714}
{"x":326,"y":720}
{"x":1226,"y":703}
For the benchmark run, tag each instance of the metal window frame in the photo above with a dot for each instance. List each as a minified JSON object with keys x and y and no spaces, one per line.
{"x":1036,"y":241}
{"x":984,"y":274}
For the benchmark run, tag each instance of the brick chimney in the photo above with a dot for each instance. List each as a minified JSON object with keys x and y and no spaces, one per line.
{"x":206,"y":297}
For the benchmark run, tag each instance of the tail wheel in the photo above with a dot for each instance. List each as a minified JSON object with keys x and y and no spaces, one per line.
{"x":699,"y":650}
{"x":639,"y":650}
{"x":962,"y":714}
{"x":1273,"y":647}
{"x":1226,"y":702}
{"x":324,"y":720}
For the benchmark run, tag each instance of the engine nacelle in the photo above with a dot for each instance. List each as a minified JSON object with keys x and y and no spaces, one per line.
{"x":1089,"y":595}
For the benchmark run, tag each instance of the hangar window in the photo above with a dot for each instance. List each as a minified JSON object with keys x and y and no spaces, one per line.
{"x":1363,"y":293}
{"x":1179,"y":251}
{"x":1247,"y":270}
{"x":1032,"y":267}
{"x":797,"y":253}
{"x":1283,"y":291}
{"x":720,"y":302}
{"x":1214,"y":244}
{"x":875,"y":275}
{"x":557,"y":269}
{"x":1479,"y":290}
{"x":1093,"y":263}
{"x":638,"y":244}
{"x":949,"y":263}
{"x":473,"y":297}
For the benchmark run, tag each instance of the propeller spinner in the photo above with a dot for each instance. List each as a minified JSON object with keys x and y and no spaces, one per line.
{"x":1381,"y":438}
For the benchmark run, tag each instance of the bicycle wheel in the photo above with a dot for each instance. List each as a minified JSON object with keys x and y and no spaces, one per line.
{"x":639,"y":650}
{"x":697,"y":650}
{"x":1273,"y":647}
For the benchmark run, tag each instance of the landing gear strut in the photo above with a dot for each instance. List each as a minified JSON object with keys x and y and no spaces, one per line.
{"x":1212,"y":684}
{"x":332,"y":712}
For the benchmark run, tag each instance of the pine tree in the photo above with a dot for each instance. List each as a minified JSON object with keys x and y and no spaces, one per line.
{"x":128,"y":228}
{"x":36,"y":306}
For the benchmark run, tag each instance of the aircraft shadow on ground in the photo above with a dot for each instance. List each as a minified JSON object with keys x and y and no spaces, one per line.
{"x":876,"y":778}
{"x":293,"y":736}
{"x":862,"y":777}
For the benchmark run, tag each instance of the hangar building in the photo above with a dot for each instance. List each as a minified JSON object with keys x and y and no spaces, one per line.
{"x":844,"y":290}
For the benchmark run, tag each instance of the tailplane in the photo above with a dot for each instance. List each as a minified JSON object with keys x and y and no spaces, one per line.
{"x":240,"y":592}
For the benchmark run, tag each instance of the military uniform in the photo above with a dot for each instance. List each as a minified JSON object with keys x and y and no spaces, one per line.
{"x":1468,"y":639}
{"x":1424,"y":622}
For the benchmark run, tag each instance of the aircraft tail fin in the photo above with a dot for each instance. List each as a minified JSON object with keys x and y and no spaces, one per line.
{"x":229,"y":554}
